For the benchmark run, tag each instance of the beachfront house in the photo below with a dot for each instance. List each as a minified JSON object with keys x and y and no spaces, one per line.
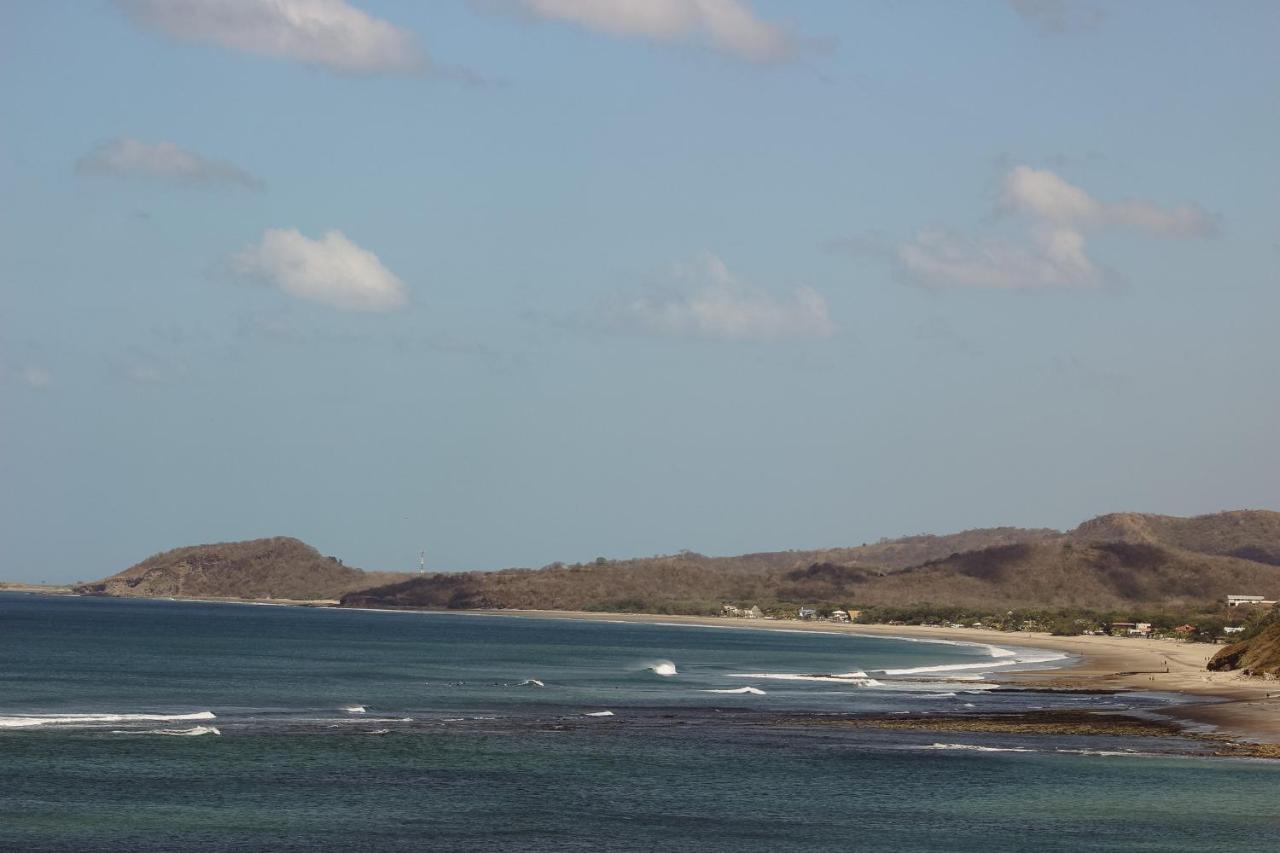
{"x":755,"y":612}
{"x":807,"y":613}
{"x":839,"y":616}
{"x":1233,"y":629}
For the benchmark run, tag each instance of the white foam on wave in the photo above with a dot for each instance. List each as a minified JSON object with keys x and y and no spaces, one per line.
{"x":970,"y":747}
{"x":598,"y":714}
{"x":754,"y":691}
{"x":855,"y":679}
{"x":1002,"y":661}
{"x":26,"y":721}
{"x":355,"y":709}
{"x":194,"y":731}
{"x":664,"y":668}
{"x":531,"y":682}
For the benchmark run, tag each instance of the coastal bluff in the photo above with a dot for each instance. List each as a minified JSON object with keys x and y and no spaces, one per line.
{"x":1257,"y":656}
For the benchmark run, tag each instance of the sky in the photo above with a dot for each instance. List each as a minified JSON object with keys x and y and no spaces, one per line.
{"x":519,"y":281}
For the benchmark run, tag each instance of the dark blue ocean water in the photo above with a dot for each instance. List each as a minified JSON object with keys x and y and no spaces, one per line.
{"x":109,"y":708}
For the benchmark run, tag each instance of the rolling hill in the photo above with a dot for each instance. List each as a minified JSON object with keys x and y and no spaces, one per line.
{"x":1118,"y":561}
{"x":1113,"y":562}
{"x":279,"y":567}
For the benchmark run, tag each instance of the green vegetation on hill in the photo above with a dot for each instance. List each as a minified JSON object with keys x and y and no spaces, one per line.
{"x":280,"y":567}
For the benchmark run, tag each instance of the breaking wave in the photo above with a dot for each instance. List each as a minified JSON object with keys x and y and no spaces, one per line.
{"x":969,"y":747}
{"x":27,"y":721}
{"x":754,"y":691}
{"x":194,"y":731}
{"x":856,"y":679}
{"x":662,"y":667}
{"x":598,"y":714}
{"x":354,"y":709}
{"x":1001,"y":661}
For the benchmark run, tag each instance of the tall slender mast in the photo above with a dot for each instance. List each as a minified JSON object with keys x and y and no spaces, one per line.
{"x":422,"y":562}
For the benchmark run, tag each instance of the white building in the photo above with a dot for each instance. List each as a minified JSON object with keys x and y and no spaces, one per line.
{"x":1238,"y":600}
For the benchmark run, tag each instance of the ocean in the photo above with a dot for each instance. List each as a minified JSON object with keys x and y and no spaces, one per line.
{"x":136,"y":725}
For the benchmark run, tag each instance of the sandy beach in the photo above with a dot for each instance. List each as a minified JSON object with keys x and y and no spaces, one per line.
{"x":1234,"y":705}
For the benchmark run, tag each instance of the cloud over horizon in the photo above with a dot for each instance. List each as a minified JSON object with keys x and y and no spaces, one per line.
{"x":1053,"y":253}
{"x":165,"y":161}
{"x":327,"y":33}
{"x":730,"y":27}
{"x":708,"y":302}
{"x":331,"y":270}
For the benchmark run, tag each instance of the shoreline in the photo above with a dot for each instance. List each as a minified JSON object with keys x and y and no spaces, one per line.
{"x":1231,"y":704}
{"x":1222,"y":704}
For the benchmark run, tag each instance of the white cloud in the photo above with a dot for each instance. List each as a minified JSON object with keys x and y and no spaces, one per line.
{"x":727,"y":26}
{"x":332,"y":270}
{"x":328,"y":33}
{"x":1051,"y":258}
{"x":1053,"y":253}
{"x":162,"y":161}
{"x":1045,"y":195}
{"x":1059,"y":17}
{"x":709,"y":302}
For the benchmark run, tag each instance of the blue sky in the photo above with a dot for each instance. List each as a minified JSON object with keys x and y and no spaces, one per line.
{"x":529,"y":280}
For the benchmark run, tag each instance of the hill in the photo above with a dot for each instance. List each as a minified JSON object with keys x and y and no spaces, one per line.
{"x":1114,"y":562}
{"x":1098,"y":576}
{"x":1248,"y":534}
{"x":898,"y":553}
{"x":280,"y":567}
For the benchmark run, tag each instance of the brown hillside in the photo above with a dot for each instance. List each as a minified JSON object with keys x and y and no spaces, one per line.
{"x":667,"y":584}
{"x":260,"y":568}
{"x":1257,"y":656}
{"x":1248,"y":534}
{"x":1113,"y":562}
{"x":1099,"y":576}
{"x":887,"y":553}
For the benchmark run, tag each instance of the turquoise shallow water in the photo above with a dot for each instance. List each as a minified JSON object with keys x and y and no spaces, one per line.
{"x":452,"y":751}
